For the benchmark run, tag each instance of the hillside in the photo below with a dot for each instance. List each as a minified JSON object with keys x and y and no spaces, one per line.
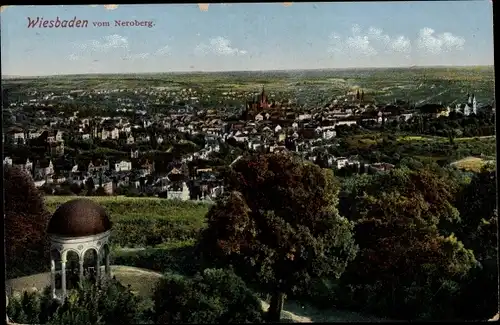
{"x":142,"y":281}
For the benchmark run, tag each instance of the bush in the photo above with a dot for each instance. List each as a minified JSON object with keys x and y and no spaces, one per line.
{"x":215,"y":296}
{"x":108,"y":303}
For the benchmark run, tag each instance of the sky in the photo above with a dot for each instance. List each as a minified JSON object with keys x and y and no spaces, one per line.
{"x":246,"y":36}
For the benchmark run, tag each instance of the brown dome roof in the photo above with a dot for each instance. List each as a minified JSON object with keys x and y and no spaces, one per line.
{"x":78,"y":218}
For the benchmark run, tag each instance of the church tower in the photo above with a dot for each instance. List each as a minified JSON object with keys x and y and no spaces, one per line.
{"x":263,"y":99}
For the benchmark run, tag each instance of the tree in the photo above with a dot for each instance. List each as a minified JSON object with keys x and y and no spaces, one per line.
{"x":408,"y":254}
{"x":322,"y":160}
{"x":477,"y":206}
{"x":438,"y":191}
{"x":25,"y":218}
{"x":278,"y":225}
{"x":90,"y":185}
{"x":212,"y":297}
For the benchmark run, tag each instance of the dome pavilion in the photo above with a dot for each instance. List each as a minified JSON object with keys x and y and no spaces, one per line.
{"x":79,"y":233}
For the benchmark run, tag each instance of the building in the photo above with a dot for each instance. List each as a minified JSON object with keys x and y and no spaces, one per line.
{"x":123,"y":166}
{"x":257,"y":105}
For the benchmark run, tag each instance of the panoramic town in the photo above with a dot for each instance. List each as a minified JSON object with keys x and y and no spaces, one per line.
{"x":186,"y":140}
{"x":237,"y":192}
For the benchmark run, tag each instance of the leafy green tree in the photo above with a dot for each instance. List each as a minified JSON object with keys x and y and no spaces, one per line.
{"x":213,"y":297}
{"x":90,"y":185}
{"x":437,"y":191}
{"x":477,"y":206}
{"x":278,"y":226}
{"x":406,"y":267}
{"x":25,"y":219}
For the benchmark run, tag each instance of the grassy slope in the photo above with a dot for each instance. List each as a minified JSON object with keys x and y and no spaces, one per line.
{"x":122,"y":208}
{"x":143,"y":282}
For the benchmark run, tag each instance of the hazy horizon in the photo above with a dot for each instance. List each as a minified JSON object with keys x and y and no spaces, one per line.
{"x":246,"y":37}
{"x":236,"y":71}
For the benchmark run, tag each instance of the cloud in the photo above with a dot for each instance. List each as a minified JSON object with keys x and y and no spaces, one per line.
{"x":113,"y":43}
{"x":373,"y":41}
{"x":352,"y":45}
{"x":138,"y":56}
{"x":401,"y":44}
{"x":105,"y":45}
{"x":219,"y":46}
{"x":431,"y":43}
{"x":73,"y":57}
{"x":163,"y":51}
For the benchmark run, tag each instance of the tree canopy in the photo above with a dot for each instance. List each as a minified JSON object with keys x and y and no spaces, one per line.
{"x":26,"y":219}
{"x":407,"y":254}
{"x":212,"y":297}
{"x":278,"y":225}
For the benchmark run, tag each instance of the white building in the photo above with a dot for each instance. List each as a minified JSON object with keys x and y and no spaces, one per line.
{"x":182,"y":195}
{"x":123,"y":166}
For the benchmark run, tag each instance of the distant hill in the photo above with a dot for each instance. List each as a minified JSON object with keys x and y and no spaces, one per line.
{"x":259,"y":72}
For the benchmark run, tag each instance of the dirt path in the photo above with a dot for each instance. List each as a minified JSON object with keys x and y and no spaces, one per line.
{"x":143,"y":282}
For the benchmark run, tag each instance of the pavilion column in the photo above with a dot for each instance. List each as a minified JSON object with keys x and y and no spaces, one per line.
{"x":98,"y":269}
{"x":81,"y":268}
{"x":107,"y":269}
{"x":63,"y":276}
{"x":53,"y":276}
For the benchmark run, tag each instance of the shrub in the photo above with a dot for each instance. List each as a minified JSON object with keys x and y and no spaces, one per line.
{"x":215,"y":296}
{"x":107,"y":303}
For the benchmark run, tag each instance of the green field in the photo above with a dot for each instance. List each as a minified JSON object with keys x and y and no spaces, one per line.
{"x":474,"y":164}
{"x":410,"y":138}
{"x":446,"y":84}
{"x":126,"y":208}
{"x":148,"y":222}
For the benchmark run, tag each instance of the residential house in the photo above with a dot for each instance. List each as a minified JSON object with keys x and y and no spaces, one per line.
{"x":59,"y":136}
{"x":123,"y":166}
{"x":134,"y":154}
{"x":7,"y":161}
{"x":34,"y":134}
{"x":183,"y":194}
{"x":341,"y":162}
{"x":98,"y":167}
{"x":380,"y":167}
{"x":43,"y":170}
{"x":16,"y":136}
